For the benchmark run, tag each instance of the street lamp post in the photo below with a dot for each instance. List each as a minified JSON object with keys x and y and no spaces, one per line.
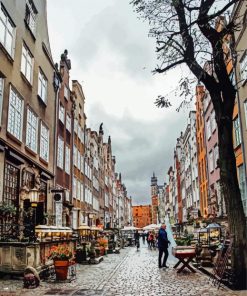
{"x":33,"y":196}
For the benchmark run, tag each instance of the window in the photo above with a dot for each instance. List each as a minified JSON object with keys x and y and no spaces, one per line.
{"x":42,"y":87}
{"x":44,"y":142}
{"x":214,"y":125}
{"x":67,"y":160}
{"x":81,"y":191}
{"x":68,"y":122}
{"x":76,"y":126}
{"x":78,"y":195}
{"x":74,"y":187}
{"x":245,"y":112}
{"x":243,"y":67}
{"x":61,"y":113}
{"x":27,"y":63}
{"x":30,"y":17}
{"x":237,"y":131}
{"x":11,"y":184}
{"x":208,"y":126}
{"x":15,"y":114}
{"x":78,"y":159}
{"x":1,"y":97}
{"x":216,"y":155}
{"x":82,"y":164}
{"x":7,"y":32}
{"x":32,"y":130}
{"x":75,"y":156}
{"x":211,"y":161}
{"x":66,"y":92}
{"x":242,"y":186}
{"x":60,"y":148}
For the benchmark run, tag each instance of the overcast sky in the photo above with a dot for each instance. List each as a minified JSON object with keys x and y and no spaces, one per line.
{"x":112,"y":57}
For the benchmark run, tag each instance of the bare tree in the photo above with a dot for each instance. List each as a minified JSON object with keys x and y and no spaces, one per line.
{"x":185,"y":34}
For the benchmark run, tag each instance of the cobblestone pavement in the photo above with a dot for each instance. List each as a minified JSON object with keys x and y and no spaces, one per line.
{"x":130,"y":273}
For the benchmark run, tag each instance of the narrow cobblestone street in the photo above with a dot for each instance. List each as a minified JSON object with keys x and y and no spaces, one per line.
{"x":130,"y":273}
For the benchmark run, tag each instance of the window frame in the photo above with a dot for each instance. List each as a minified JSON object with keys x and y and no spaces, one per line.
{"x":237,"y":131}
{"x":8,"y":21}
{"x":30,"y":128}
{"x":60,"y":153}
{"x":243,"y":62}
{"x":21,"y":112}
{"x":30,"y":7}
{"x":1,"y":97}
{"x":41,"y":79}
{"x":67,"y":159}
{"x":60,"y":112}
{"x":42,"y":125}
{"x":25,"y":62}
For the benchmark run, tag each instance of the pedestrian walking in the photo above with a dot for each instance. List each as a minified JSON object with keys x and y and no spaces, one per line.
{"x":163,"y":244}
{"x":150,"y":240}
{"x":137,"y":239}
{"x":143,"y":237}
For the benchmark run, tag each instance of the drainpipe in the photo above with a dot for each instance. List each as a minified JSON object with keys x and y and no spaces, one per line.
{"x":56,"y":84}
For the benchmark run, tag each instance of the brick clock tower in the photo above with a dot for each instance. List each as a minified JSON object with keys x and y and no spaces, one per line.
{"x":154,"y":199}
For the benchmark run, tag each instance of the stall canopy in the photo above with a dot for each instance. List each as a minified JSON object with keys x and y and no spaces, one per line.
{"x":127,"y":228}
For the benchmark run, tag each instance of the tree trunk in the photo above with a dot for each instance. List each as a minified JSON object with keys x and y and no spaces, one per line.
{"x":232,"y":197}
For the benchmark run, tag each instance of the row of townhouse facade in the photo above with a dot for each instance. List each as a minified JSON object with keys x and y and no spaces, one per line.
{"x":49,"y":159}
{"x":194,"y":179}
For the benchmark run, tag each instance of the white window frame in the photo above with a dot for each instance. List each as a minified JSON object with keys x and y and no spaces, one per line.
{"x":211,"y":161}
{"x":42,"y":86}
{"x":81,"y":191}
{"x":68,"y":122}
{"x":66,"y":92}
{"x":243,"y":67}
{"x":44,"y":142}
{"x":213,"y":121}
{"x":208,"y":125}
{"x":75,"y":155}
{"x":1,"y":97}
{"x":9,"y":31}
{"x":245,"y":112}
{"x":27,"y":63}
{"x":82,"y":164}
{"x":216,"y":155}
{"x":76,"y":125}
{"x":31,"y":17}
{"x":15,"y":114}
{"x":237,"y":131}
{"x":74,"y":187}
{"x":32,"y":130}
{"x":78,"y":159}
{"x":67,"y":159}
{"x":61,"y":112}
{"x":60,"y":153}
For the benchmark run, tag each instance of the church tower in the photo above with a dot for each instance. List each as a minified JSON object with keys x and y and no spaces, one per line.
{"x":154,"y":199}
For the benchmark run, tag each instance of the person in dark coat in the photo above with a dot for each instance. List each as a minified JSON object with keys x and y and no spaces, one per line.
{"x":163,"y":244}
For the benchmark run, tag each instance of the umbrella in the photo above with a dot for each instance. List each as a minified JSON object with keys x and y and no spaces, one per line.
{"x":213,"y":225}
{"x":151,"y":227}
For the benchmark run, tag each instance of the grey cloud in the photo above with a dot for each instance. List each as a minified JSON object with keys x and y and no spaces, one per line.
{"x":118,"y":27}
{"x":147,"y":147}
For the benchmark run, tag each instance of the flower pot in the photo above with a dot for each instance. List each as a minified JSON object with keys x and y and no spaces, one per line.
{"x":61,"y":269}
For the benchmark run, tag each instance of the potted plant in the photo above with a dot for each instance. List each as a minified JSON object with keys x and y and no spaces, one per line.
{"x":61,"y":255}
